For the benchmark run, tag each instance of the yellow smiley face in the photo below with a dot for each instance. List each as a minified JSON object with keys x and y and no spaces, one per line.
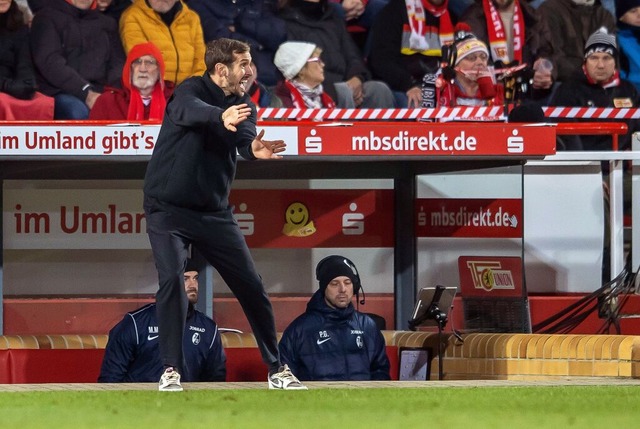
{"x":297,"y":214}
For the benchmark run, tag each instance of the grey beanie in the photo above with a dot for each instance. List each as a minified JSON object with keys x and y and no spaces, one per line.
{"x":601,"y":41}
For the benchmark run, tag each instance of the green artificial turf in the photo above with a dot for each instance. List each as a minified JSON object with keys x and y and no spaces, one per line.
{"x":598,"y":407}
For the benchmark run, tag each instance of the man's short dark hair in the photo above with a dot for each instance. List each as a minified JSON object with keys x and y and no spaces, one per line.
{"x":223,"y":51}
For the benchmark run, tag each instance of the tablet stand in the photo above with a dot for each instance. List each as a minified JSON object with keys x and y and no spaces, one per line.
{"x":431,"y":309}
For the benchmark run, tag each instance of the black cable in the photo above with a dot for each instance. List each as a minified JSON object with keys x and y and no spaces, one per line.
{"x":568,"y":319}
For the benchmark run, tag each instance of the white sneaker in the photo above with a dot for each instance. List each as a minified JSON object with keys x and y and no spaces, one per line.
{"x":170,"y":381}
{"x":285,"y":380}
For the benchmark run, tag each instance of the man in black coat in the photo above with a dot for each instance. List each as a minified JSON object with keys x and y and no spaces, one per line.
{"x":76,"y":52}
{"x":132,"y":355}
{"x":208,"y":120}
{"x":331,"y":340}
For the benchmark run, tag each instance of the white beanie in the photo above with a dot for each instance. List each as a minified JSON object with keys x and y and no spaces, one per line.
{"x":292,"y":56}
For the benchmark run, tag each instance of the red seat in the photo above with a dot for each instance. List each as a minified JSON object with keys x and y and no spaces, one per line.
{"x":55,"y":365}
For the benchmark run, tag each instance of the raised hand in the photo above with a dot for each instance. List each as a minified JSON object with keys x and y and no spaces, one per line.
{"x":234,"y":115}
{"x":267,"y":149}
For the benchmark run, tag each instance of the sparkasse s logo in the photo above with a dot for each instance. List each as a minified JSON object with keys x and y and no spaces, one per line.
{"x":515,"y":143}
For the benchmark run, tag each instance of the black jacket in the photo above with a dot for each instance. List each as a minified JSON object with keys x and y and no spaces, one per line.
{"x":72,"y":48}
{"x":16,"y":67}
{"x":254,"y":22}
{"x":580,"y":93}
{"x":194,"y":159}
{"x":318,"y":23}
{"x":132,"y":354}
{"x":325,"y":344}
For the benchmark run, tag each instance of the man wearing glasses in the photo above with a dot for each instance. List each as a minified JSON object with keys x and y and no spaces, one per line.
{"x":144,"y":92}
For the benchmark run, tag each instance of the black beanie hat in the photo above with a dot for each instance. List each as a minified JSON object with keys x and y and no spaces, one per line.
{"x":624,"y":6}
{"x":192,"y":265}
{"x":335,"y":266}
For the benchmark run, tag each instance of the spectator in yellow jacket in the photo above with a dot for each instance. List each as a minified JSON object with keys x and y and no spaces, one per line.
{"x":173,"y":28}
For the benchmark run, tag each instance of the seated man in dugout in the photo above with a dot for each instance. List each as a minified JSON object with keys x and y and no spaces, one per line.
{"x":132,"y":354}
{"x":144,"y":94}
{"x":332,"y":340}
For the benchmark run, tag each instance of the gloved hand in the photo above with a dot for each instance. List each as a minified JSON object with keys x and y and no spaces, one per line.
{"x":22,"y":89}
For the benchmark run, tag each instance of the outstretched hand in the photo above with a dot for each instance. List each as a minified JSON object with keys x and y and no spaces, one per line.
{"x":267,"y":149}
{"x":234,"y":115}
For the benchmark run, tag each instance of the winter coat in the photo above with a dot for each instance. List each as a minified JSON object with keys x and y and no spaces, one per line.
{"x":570,"y":26}
{"x":537,"y":43}
{"x":326,"y":344}
{"x":16,"y":68}
{"x":579,"y":92}
{"x":132,"y":354}
{"x":182,"y":44}
{"x":254,"y":21}
{"x":629,"y":46}
{"x":73,"y":48}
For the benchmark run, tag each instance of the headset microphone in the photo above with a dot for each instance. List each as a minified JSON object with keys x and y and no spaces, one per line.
{"x":364,"y":297}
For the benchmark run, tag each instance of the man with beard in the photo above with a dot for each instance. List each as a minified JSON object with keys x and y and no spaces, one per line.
{"x":516,"y":34}
{"x":331,"y":340}
{"x":208,"y":120}
{"x":144,"y":93}
{"x":132,"y":356}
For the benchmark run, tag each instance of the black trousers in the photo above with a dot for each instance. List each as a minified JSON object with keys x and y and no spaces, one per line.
{"x":217,"y":237}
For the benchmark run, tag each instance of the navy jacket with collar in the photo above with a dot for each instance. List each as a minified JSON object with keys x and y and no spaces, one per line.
{"x":326,"y":344}
{"x":132,"y":354}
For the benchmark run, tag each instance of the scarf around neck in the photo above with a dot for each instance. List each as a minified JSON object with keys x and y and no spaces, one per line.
{"x":309,"y":98}
{"x":613,"y":81}
{"x":497,"y":35}
{"x":422,"y":37}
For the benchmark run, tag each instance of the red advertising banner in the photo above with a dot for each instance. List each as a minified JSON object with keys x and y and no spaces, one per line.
{"x":479,"y":217}
{"x":426,"y":139}
{"x":97,"y":139}
{"x":490,"y":276}
{"x":304,"y":218}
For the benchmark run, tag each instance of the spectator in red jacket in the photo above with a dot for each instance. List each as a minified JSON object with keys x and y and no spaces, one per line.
{"x":473,"y":82}
{"x":144,"y":92}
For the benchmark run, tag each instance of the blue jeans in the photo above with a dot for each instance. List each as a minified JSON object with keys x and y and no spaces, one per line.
{"x":69,"y":107}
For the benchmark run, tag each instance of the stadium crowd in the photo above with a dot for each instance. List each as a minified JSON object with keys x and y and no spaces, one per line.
{"x":121,"y":59}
